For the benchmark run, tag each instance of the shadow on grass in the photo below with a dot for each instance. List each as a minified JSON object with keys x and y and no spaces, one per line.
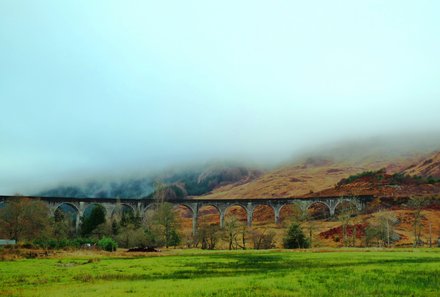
{"x":252,"y":264}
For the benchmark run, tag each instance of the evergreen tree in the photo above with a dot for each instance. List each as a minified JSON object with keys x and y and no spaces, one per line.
{"x":295,"y":238}
{"x":96,"y":218}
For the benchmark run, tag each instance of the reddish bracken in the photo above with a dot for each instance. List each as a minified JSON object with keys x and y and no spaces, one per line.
{"x":337,"y":231}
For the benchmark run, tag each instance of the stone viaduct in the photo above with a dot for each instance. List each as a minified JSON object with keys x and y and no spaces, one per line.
{"x":141,"y":206}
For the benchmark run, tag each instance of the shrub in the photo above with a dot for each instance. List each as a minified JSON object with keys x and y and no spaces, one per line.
{"x":295,"y":238}
{"x":92,"y":221}
{"x":107,"y":244}
{"x":379,"y":175}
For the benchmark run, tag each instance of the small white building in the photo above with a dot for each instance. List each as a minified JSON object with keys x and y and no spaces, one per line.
{"x":6,"y":242}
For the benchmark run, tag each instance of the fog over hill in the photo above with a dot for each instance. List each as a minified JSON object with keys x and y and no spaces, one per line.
{"x":184,"y":182}
{"x":301,"y":174}
{"x":375,"y":149}
{"x":324,"y":166}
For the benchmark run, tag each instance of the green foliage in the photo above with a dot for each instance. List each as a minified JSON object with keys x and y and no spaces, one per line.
{"x":107,"y":244}
{"x":153,"y":237}
{"x":131,"y":236}
{"x":130,"y":218}
{"x":432,"y":180}
{"x":398,"y":178}
{"x":174,"y":239}
{"x":63,"y":226}
{"x":295,"y":238}
{"x":115,"y":228}
{"x":394,"y":179}
{"x":378,"y":175}
{"x":91,"y":222}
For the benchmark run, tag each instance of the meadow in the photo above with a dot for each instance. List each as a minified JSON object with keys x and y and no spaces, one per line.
{"x":350,"y":272}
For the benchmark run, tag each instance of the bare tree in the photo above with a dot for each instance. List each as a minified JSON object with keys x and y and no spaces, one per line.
{"x":417,"y":204}
{"x":387,"y":223}
{"x":231,"y":231}
{"x":24,"y":219}
{"x":208,"y":235}
{"x":262,"y":238}
{"x":162,"y":223}
{"x":345,"y":217}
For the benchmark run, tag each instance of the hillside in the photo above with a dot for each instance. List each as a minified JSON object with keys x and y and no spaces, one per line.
{"x":420,"y":178}
{"x":428,"y":167}
{"x":309,"y":176}
{"x":382,"y":184}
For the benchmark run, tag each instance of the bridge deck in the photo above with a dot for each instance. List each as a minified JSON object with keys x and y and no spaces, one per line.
{"x":192,"y":199}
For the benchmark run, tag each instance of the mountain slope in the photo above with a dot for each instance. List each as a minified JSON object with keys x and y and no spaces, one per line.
{"x":428,"y":167}
{"x":381,"y":184}
{"x":309,"y":176}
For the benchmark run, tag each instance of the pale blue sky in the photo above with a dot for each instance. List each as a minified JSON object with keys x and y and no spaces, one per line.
{"x":91,"y":86}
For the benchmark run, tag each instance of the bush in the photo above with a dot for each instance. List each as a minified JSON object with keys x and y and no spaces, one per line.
{"x":379,"y":175}
{"x":295,"y":238}
{"x":107,"y":244}
{"x":92,"y":221}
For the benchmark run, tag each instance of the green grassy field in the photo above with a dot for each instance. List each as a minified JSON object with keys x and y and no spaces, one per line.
{"x":220,"y":273}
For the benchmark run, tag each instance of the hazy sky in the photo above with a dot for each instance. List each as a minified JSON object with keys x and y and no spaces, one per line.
{"x":91,"y":86}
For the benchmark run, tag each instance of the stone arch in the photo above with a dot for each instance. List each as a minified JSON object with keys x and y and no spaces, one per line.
{"x":243,"y":217}
{"x":75,"y":212}
{"x":124,"y":208}
{"x":346,"y":205}
{"x":193,"y":211}
{"x":89,"y":207}
{"x":145,"y":211}
{"x":147,"y":207}
{"x":71,"y":205}
{"x":185,"y":215}
{"x":186,"y":206}
{"x":262,"y":216}
{"x":235,"y":205}
{"x":289,"y":212}
{"x":119,"y":210}
{"x":319,"y":210}
{"x":204,"y":213}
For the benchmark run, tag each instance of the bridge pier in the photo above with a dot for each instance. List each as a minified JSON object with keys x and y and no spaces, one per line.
{"x":109,"y":209}
{"x":331,"y":204}
{"x":77,"y":222}
{"x":249,"y":218}
{"x":332,"y":211}
{"x":250,"y":213}
{"x":194,"y":223}
{"x":222,"y":218}
{"x":277,"y":211}
{"x":303,"y":206}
